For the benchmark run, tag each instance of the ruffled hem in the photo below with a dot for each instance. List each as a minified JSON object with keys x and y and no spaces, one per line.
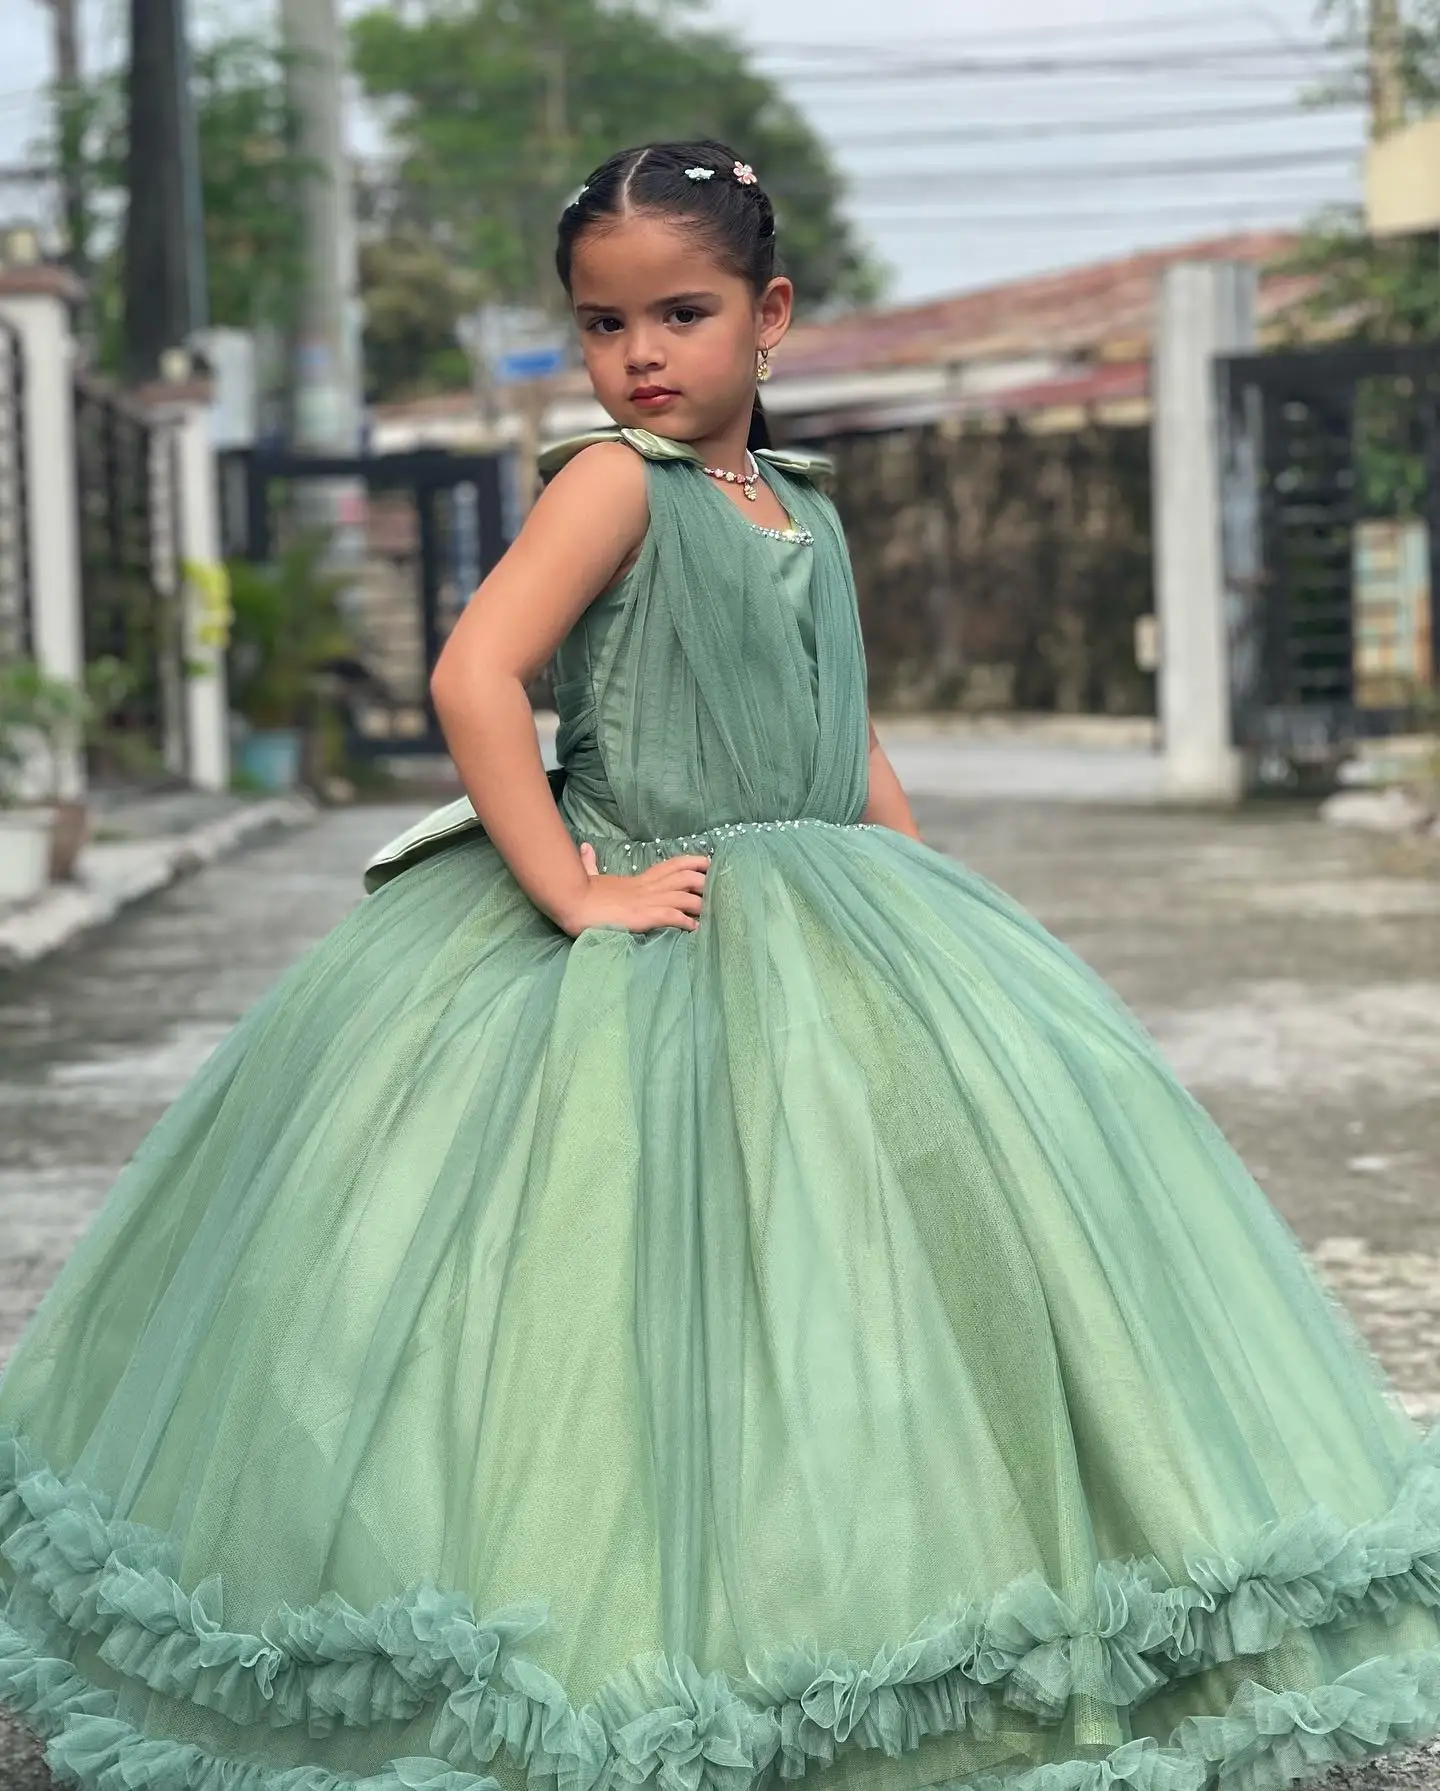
{"x":1266,"y":1741}
{"x":328,"y":1665}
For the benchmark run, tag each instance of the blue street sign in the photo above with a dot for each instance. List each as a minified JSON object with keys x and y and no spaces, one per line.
{"x":530,"y":363}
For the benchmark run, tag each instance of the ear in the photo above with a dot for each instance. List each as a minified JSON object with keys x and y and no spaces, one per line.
{"x":775,"y":309}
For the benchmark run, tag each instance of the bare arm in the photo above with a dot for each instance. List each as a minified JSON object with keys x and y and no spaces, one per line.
{"x":887,"y":803}
{"x":583,"y":527}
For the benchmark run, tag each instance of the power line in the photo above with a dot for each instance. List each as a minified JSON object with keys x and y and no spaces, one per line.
{"x":889,"y":53}
{"x":1121,"y":125}
{"x":1281,"y":213}
{"x":1248,"y":60}
{"x":1283,"y":160}
{"x":1139,"y":24}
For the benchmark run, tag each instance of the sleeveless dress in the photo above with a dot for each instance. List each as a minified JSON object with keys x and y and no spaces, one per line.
{"x":828,"y":1344}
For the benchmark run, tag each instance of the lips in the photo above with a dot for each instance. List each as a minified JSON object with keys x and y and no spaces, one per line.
{"x":651,"y":394}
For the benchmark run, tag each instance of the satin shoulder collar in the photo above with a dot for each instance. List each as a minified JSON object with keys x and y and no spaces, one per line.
{"x":661,"y":447}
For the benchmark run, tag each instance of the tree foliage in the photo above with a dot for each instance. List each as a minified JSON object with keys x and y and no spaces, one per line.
{"x":1366,"y":288}
{"x":415,"y":295}
{"x":250,"y":176}
{"x":499,"y":108}
{"x":496,"y":109}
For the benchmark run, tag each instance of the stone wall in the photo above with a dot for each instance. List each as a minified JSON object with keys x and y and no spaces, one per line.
{"x":1000,"y":570}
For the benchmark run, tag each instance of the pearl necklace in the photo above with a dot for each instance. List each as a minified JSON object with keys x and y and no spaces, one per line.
{"x":746,"y":481}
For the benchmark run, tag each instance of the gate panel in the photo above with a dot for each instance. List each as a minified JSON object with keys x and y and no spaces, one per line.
{"x":429,"y":528}
{"x":1331,"y":631}
{"x":130,"y":577}
{"x":16,"y":630}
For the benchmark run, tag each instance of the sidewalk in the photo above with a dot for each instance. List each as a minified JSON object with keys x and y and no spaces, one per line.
{"x":140,"y":844}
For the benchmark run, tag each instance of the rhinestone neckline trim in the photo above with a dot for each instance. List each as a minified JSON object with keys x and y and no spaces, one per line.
{"x":801,"y":536}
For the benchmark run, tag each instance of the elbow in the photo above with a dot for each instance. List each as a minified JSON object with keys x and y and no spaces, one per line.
{"x":451,"y":673}
{"x":441,"y":683}
{"x":455,"y":684}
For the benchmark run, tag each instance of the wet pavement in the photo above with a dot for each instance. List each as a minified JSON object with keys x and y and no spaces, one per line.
{"x":1290,"y":971}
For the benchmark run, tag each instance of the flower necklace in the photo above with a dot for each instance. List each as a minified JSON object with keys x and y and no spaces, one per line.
{"x":746,"y":481}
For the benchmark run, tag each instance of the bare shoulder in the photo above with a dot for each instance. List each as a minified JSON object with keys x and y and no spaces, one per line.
{"x":605,"y":477}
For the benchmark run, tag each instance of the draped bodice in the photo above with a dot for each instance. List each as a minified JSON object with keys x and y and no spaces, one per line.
{"x":722,"y":678}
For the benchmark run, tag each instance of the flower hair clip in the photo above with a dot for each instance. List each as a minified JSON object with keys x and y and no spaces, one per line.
{"x":742,"y":171}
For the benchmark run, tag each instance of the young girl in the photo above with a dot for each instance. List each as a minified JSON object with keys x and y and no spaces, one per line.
{"x":687,"y":1285}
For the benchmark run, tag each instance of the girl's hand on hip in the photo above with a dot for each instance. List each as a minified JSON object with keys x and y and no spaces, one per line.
{"x":669,"y":894}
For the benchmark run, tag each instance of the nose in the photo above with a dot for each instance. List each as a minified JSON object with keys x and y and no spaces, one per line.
{"x":643,"y":353}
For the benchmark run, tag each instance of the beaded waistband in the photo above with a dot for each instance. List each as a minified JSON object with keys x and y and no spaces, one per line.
{"x":625,"y":853}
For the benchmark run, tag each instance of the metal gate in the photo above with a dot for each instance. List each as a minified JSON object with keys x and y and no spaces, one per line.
{"x":16,"y":630}
{"x":1331,"y":527}
{"x":131,"y":580}
{"x":423,"y":530}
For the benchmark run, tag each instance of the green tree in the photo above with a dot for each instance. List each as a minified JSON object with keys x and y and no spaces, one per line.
{"x":498,"y":108}
{"x":415,"y":296}
{"x":1364,"y":288}
{"x":1361,"y":288}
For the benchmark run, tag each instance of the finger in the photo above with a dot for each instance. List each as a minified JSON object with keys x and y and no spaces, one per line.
{"x":690,"y":860}
{"x":679,"y":878}
{"x":659,"y":918}
{"x":589,"y":860}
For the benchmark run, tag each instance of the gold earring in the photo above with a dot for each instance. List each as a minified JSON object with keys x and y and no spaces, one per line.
{"x":762,"y":369}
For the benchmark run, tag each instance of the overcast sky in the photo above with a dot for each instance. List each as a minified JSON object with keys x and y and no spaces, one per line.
{"x":961,"y":175}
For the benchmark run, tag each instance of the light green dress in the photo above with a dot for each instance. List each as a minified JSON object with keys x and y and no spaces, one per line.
{"x":828,"y":1343}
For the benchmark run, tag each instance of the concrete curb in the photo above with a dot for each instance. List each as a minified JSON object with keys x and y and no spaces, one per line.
{"x":116,"y":875}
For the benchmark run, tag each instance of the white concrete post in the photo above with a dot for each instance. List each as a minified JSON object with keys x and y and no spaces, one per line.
{"x":187,"y":409}
{"x":1205,"y":309}
{"x":36,"y":302}
{"x":206,"y":698}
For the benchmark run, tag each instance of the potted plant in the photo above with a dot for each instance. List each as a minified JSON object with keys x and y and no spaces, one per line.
{"x":286,"y":629}
{"x":24,"y":825}
{"x":43,"y":720}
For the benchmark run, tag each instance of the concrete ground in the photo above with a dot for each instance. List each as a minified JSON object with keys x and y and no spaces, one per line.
{"x":1290,"y":971}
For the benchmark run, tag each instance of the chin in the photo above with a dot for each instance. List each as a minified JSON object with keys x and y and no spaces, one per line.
{"x":667,"y":424}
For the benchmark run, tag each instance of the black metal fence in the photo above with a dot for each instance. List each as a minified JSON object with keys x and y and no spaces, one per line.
{"x":132,"y":578}
{"x":418,"y":532}
{"x":1332,"y":542}
{"x":16,"y":614}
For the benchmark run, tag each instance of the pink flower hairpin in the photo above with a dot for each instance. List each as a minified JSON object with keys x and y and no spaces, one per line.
{"x":745,"y":174}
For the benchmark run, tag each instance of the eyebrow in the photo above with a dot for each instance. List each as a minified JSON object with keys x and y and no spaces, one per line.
{"x":675,"y":298}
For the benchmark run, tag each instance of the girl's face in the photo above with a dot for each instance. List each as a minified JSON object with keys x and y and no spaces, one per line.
{"x":670,"y":336}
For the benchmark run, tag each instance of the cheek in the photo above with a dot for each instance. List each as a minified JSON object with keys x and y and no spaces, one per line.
{"x":723,"y":357}
{"x":600,"y":353}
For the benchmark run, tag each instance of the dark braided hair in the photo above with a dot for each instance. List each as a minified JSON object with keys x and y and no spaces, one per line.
{"x":735,"y":221}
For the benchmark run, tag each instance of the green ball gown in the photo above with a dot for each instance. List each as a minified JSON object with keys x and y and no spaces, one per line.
{"x":828,"y":1344}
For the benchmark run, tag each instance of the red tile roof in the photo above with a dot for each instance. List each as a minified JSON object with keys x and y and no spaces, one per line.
{"x":1079,"y":309}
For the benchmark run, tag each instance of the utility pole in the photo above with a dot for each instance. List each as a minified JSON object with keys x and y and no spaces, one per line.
{"x":165,"y":300}
{"x":70,"y":130}
{"x":1387,"y":82}
{"x":324,"y":374}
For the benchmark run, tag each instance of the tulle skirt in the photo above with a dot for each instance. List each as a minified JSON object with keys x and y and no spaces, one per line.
{"x":830,"y":1343}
